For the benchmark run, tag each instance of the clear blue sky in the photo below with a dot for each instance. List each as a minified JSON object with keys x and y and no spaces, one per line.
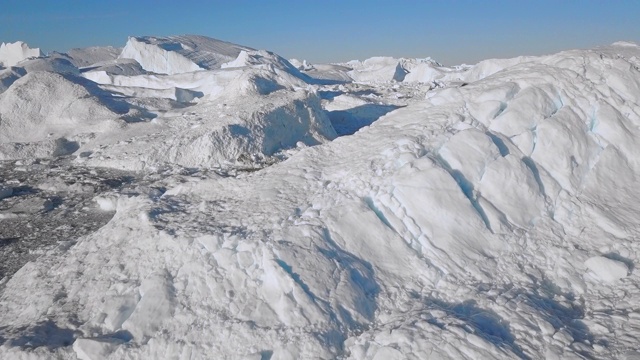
{"x":451,"y":32}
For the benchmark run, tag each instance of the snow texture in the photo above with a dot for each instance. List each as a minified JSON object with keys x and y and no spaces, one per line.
{"x":197,"y":199}
{"x":83,"y":57}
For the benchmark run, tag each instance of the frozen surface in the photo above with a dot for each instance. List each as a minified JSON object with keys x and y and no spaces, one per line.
{"x":82,"y":57}
{"x":45,"y":104}
{"x":13,"y":53}
{"x":378,"y":69}
{"x":605,"y":269}
{"x":262,"y":208}
{"x":179,"y":54}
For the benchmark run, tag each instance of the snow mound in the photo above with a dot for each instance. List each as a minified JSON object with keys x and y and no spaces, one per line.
{"x":427,"y":72}
{"x":13,"y":53}
{"x":377,"y":69}
{"x":328,"y":73}
{"x":96,"y":348}
{"x":223,"y":136}
{"x":106,"y":203}
{"x":50,"y":64}
{"x":44,"y":104}
{"x":491,"y":66}
{"x":37,"y":149}
{"x":9,"y":76}
{"x":606,"y":269}
{"x":261,"y":57}
{"x":180,"y":54}
{"x":322,"y":74}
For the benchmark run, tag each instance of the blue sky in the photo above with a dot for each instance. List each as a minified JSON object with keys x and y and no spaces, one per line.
{"x":452,"y":32}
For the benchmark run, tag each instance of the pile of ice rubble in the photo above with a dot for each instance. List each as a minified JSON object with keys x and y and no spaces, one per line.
{"x":486,"y":211}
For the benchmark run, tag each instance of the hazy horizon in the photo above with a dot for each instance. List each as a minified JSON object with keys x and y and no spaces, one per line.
{"x":451,"y":32}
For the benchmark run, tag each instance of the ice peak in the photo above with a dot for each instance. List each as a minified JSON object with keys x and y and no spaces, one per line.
{"x":12,"y":53}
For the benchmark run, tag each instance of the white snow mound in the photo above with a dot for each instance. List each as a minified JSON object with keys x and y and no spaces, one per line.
{"x":378,"y":69}
{"x":606,"y":269}
{"x":44,"y":104}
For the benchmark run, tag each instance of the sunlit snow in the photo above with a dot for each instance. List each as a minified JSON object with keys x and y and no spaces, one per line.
{"x":189,"y":198}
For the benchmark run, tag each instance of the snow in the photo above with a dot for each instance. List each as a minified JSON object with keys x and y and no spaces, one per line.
{"x":67,"y":105}
{"x":83,"y":57}
{"x":605,"y":269}
{"x":195,"y":198}
{"x":106,"y":203}
{"x":49,"y":64}
{"x":13,"y":53}
{"x":94,"y":349}
{"x":179,"y":54}
{"x":378,"y":69}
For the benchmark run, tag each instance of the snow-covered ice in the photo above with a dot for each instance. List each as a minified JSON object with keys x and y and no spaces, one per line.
{"x":607,"y":269}
{"x":179,"y":54}
{"x":13,"y":53}
{"x":195,"y":199}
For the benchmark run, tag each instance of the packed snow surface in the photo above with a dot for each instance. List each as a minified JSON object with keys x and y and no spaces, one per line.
{"x":196,"y":199}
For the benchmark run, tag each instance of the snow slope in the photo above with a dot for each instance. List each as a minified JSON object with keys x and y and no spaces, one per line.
{"x":494,"y":220}
{"x":222,"y":132}
{"x":43,"y":106}
{"x":83,"y":57}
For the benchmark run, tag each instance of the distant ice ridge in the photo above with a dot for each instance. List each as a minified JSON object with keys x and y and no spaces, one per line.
{"x":84,"y":57}
{"x":384,"y":69}
{"x":180,"y":54}
{"x":13,"y":53}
